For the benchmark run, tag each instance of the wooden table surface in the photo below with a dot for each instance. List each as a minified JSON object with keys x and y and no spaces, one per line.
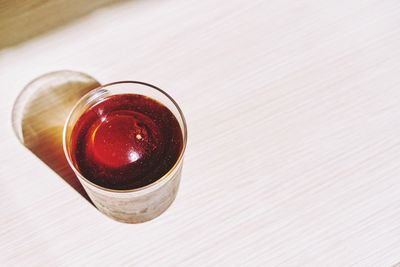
{"x":293,"y":111}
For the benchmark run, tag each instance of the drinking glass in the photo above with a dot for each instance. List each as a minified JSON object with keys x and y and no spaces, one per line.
{"x":139,"y":204}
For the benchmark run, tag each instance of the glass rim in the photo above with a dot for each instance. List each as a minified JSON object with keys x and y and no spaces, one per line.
{"x":142,"y":188}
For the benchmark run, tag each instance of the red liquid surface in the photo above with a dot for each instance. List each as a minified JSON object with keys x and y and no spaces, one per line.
{"x":126,"y":141}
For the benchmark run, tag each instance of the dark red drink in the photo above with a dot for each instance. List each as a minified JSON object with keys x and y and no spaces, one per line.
{"x":126,"y":141}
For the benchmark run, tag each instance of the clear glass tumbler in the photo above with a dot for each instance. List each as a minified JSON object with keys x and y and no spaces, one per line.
{"x":139,"y":204}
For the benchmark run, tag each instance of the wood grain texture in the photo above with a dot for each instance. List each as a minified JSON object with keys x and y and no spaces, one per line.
{"x":293,"y":158}
{"x":25,"y":19}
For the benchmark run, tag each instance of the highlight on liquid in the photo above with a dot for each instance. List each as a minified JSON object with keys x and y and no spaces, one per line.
{"x":126,"y":141}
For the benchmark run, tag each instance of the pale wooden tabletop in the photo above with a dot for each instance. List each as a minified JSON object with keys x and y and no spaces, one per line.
{"x":293,"y":111}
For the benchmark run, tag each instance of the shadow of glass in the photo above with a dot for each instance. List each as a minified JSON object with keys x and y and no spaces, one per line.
{"x":40,"y":112}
